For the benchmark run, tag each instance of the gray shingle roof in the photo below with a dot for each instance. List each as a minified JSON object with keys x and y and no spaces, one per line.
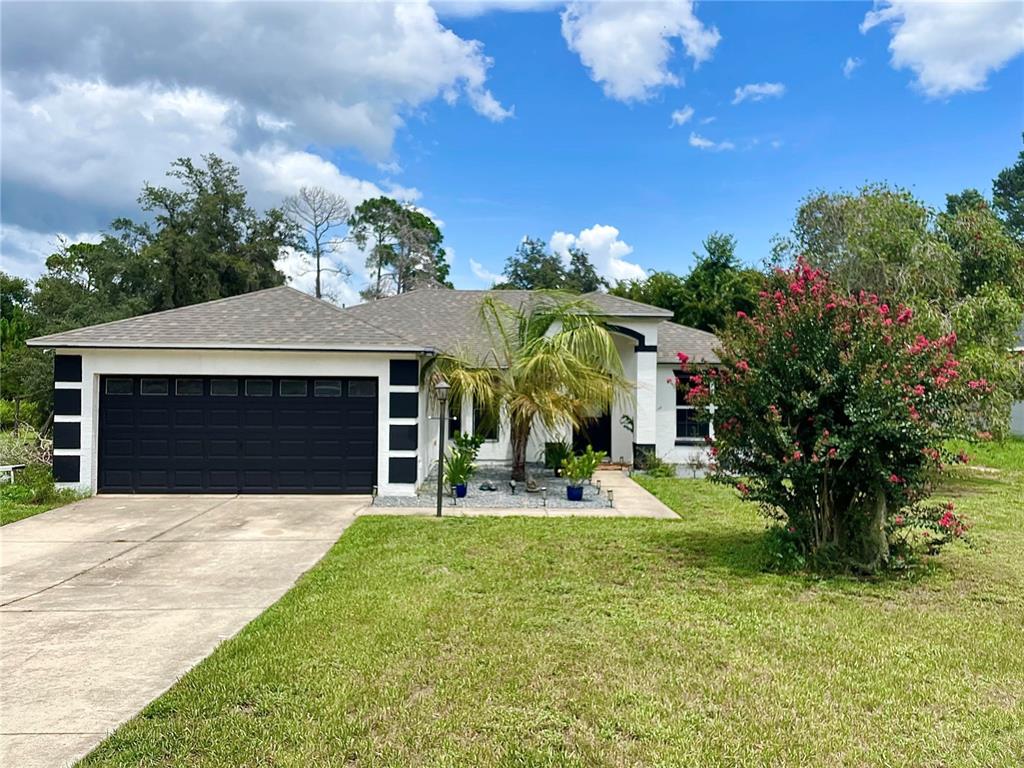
{"x":673,"y":338}
{"x":285,"y":318}
{"x":276,"y":318}
{"x":449,"y":320}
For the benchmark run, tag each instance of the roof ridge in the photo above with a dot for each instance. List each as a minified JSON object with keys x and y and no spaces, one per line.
{"x":344,"y":311}
{"x":629,"y":301}
{"x":689,"y":328}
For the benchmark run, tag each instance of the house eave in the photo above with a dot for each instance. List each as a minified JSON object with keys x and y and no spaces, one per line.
{"x":47,"y":343}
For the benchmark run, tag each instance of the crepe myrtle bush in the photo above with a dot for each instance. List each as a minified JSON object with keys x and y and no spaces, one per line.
{"x":830,"y":412}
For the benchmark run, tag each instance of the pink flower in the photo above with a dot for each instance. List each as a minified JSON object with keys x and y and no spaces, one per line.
{"x":797,"y":455}
{"x":683,"y":357}
{"x":742,"y":366}
{"x":899,"y":520}
{"x":919,"y":390}
{"x":741,"y":315}
{"x":895,"y":479}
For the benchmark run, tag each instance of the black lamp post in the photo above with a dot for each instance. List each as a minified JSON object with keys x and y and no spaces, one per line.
{"x":441,"y":390}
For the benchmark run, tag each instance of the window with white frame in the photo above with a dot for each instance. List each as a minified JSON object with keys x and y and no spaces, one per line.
{"x":692,"y":423}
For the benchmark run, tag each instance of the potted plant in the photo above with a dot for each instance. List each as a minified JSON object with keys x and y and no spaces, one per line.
{"x":579,"y":469}
{"x":458,"y":465}
{"x":555,"y":453}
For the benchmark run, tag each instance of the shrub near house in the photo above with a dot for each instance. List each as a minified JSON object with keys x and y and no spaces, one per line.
{"x":831,"y":411}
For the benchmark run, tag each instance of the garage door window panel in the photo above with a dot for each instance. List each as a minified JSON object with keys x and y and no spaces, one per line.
{"x":153,"y":387}
{"x":188,"y":387}
{"x":259,"y":388}
{"x":120,"y":387}
{"x":224,"y":387}
{"x":293,"y":387}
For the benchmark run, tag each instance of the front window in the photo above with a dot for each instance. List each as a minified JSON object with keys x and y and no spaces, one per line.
{"x":692,"y":424}
{"x":485,"y":422}
{"x":454,"y":416}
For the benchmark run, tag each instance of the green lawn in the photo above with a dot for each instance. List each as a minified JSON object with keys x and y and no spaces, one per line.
{"x":567,"y":642}
{"x":13,"y":511}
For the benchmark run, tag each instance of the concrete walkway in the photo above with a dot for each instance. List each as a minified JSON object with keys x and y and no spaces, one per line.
{"x":629,"y":500}
{"x":106,"y":602}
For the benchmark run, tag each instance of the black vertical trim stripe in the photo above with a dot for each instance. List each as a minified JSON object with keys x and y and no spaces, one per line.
{"x":67,"y":368}
{"x":405,"y":373}
{"x":67,"y":434}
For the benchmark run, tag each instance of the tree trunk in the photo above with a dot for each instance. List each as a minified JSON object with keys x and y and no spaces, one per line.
{"x":318,"y":272}
{"x":520,"y":440}
{"x":876,"y":544}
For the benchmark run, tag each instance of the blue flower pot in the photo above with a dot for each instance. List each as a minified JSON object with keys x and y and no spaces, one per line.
{"x":460,"y":490}
{"x":574,"y":492}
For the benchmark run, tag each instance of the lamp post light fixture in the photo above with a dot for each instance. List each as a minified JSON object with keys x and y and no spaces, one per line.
{"x":611,"y":498}
{"x":441,"y":391}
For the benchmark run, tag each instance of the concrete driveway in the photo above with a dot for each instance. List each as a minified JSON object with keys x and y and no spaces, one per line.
{"x":108,"y":601}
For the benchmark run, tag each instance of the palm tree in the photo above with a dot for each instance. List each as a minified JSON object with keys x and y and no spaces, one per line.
{"x":551,"y":362}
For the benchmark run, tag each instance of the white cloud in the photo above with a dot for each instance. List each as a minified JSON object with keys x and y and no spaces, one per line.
{"x":850,"y":65}
{"x":482,"y":273}
{"x":698,"y":141}
{"x":708,"y":120}
{"x":341,"y":73}
{"x":471,"y":8}
{"x":682,"y":116}
{"x":23,"y":251}
{"x":950,"y":47}
{"x":607,"y":252}
{"x":628,"y":46}
{"x":83,"y":160}
{"x":757,"y":92}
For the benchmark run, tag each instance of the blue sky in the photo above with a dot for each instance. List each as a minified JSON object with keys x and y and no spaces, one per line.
{"x":522,"y":132}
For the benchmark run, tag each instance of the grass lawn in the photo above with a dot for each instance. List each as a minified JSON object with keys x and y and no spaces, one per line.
{"x":13,"y":511}
{"x":568,"y":642}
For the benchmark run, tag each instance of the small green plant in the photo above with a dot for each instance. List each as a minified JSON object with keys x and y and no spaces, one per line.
{"x":459,"y":464}
{"x":581,"y":467}
{"x":555,"y":453}
{"x":658,"y":467}
{"x":34,"y":485}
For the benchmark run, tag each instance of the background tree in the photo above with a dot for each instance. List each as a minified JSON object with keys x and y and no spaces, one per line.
{"x":207,"y":242}
{"x":958,"y":270}
{"x":533,"y":267}
{"x":580,"y":275}
{"x":403,"y":247}
{"x":318,"y":213}
{"x":1008,"y":196}
{"x":879,"y":239}
{"x":715,"y":289}
{"x":14,"y":299}
{"x":660,"y":289}
{"x":549,"y":378}
{"x":831,"y":411}
{"x":202,"y":242}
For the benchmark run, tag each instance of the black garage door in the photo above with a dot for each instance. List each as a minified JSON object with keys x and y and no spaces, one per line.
{"x":237,"y":435}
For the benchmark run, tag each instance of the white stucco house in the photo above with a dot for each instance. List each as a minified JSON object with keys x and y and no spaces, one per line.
{"x":276,"y":391}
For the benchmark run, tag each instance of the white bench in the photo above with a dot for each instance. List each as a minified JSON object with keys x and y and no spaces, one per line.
{"x":7,"y":472}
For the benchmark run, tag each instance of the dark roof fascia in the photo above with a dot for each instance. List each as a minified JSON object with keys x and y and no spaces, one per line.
{"x":42,"y":342}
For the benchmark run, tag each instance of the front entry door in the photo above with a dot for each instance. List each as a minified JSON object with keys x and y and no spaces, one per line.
{"x":596,"y":432}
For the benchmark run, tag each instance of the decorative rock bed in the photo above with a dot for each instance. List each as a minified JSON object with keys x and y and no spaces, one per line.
{"x":503,"y":497}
